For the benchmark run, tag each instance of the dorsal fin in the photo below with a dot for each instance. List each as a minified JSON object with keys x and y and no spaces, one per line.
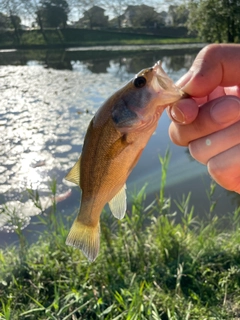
{"x":118,"y":204}
{"x":74,"y":174}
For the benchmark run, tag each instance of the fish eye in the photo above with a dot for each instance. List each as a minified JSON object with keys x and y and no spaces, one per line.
{"x":139,"y":82}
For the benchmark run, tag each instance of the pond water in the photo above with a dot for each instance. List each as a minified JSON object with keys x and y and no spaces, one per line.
{"x":47,"y":101}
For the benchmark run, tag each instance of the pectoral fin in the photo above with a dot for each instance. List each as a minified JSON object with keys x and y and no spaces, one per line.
{"x":118,"y":204}
{"x":74,"y":174}
{"x":118,"y":146}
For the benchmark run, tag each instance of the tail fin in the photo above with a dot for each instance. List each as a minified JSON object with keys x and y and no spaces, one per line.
{"x":86,"y":238}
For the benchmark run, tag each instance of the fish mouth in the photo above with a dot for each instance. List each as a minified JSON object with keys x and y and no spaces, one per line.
{"x":164,"y":86}
{"x":162,"y":78}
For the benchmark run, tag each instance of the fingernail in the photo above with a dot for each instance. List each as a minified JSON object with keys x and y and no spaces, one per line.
{"x":177,"y":114}
{"x":226,"y":110}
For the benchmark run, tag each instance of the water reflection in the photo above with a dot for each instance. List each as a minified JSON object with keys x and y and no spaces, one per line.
{"x":98,"y":61}
{"x":47,"y":101}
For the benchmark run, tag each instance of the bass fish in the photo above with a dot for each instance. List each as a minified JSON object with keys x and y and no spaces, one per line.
{"x":113,"y":144}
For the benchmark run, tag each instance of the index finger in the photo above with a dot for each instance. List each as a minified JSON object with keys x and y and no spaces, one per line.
{"x":215,"y":65}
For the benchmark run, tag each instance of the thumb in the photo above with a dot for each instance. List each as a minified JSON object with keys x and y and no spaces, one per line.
{"x":215,"y":65}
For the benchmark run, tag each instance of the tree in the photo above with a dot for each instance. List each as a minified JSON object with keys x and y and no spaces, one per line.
{"x":13,"y":9}
{"x":178,"y":15}
{"x":52,"y":13}
{"x":215,"y":20}
{"x":31,"y":8}
{"x":4,"y":21}
{"x":15,"y":21}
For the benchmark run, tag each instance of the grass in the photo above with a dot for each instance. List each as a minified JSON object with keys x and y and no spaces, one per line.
{"x":149,"y":267}
{"x":83,"y":37}
{"x":153,"y":41}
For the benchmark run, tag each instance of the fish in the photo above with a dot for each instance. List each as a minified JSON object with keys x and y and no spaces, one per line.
{"x":113,"y":144}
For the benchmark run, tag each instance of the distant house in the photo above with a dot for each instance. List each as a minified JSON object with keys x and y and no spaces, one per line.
{"x":117,"y":22}
{"x":143,"y":16}
{"x":162,"y":18}
{"x":93,"y":18}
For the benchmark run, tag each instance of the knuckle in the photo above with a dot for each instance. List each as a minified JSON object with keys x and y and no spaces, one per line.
{"x":210,"y":50}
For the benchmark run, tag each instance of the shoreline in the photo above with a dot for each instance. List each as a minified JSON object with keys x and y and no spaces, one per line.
{"x":131,"y":47}
{"x":102,"y":46}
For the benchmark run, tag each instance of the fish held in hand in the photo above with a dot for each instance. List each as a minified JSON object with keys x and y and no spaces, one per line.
{"x":113,"y":144}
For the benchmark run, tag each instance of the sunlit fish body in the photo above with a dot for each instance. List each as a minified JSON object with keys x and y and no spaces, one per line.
{"x":113,"y":144}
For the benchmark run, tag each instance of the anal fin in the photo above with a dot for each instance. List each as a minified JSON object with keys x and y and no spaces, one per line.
{"x":118,"y":204}
{"x":74,"y":174}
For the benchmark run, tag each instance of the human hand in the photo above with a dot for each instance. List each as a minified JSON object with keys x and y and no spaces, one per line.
{"x":209,"y":123}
